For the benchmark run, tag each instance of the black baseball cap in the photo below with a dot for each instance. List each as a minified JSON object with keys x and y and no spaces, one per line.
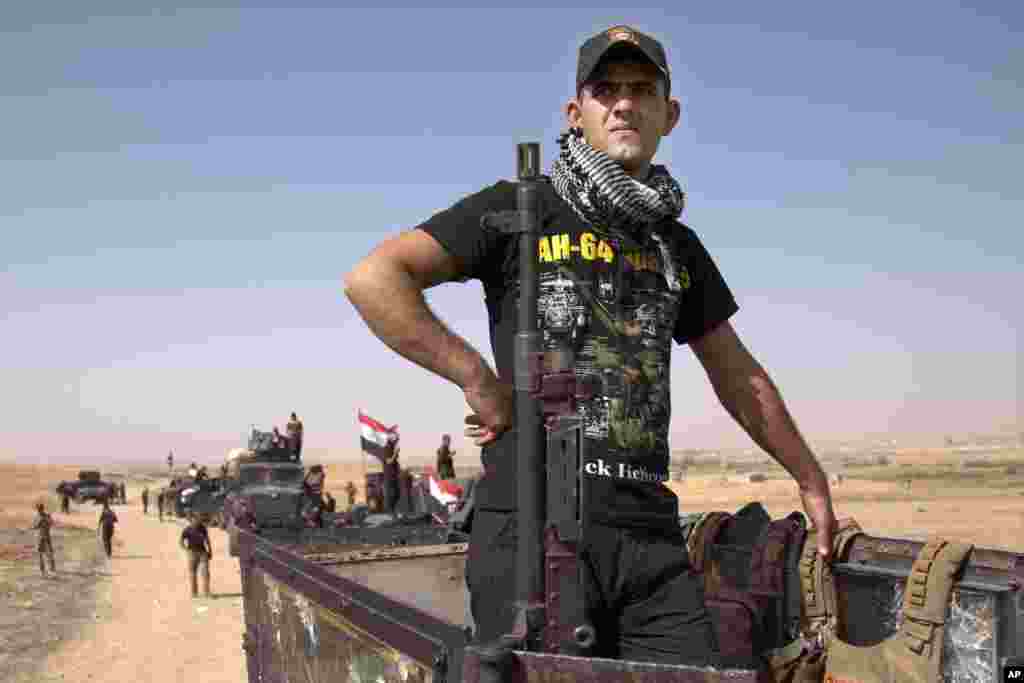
{"x":618,"y":37}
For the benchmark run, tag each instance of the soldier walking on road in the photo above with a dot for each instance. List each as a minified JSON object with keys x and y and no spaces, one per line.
{"x":42,"y":524}
{"x":331,"y":505}
{"x":160,"y":504}
{"x":195,"y":540}
{"x":65,"y":503}
{"x":350,"y":489}
{"x":106,"y":528}
{"x":145,"y":500}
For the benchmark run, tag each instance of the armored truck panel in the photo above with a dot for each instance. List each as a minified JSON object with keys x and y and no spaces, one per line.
{"x":384,"y":604}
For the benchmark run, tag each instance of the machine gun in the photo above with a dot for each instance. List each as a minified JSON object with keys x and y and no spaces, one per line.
{"x":549,"y":586}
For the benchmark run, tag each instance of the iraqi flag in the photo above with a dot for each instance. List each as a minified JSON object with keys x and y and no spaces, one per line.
{"x":445,"y":491}
{"x":376,"y":439}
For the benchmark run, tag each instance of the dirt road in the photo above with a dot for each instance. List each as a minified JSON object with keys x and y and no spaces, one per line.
{"x":148,"y":627}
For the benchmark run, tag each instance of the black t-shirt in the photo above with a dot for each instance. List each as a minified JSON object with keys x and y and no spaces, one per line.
{"x":195,"y":537}
{"x":616,"y":304}
{"x":107,"y":520}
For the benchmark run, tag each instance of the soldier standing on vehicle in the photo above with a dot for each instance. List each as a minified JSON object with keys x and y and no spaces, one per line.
{"x":145,"y":500}
{"x":170,"y":462}
{"x":612,"y":219}
{"x":106,"y":528}
{"x":350,"y":490}
{"x":195,"y":540}
{"x":294,"y":431}
{"x":392,"y":470}
{"x":445,"y":460}
{"x":43,"y":523}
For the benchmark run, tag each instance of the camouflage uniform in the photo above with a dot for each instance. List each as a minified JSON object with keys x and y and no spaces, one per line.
{"x":45,"y":547}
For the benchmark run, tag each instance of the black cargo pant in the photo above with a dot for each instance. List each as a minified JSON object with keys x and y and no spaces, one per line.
{"x":643,"y":597}
{"x":108,"y":541}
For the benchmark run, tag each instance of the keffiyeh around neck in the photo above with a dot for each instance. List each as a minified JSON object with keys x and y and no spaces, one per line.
{"x":603,"y":195}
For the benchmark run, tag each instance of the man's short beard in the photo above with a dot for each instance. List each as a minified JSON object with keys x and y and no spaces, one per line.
{"x":629,"y":156}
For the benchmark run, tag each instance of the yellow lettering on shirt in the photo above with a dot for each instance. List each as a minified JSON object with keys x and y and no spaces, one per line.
{"x":560,"y":247}
{"x":544,"y":247}
{"x":587,"y":246}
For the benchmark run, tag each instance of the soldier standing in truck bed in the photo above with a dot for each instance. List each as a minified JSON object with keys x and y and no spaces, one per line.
{"x":445,"y":461}
{"x":294,"y":431}
{"x":392,"y":471}
{"x":42,"y":524}
{"x":609,"y":215}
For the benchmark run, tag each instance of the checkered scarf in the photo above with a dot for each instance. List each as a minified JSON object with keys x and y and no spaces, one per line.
{"x":605,"y":197}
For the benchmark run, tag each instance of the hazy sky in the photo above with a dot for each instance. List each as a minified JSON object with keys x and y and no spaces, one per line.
{"x":183,"y":188}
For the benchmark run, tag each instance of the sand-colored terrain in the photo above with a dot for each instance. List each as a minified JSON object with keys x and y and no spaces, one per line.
{"x":131,"y":619}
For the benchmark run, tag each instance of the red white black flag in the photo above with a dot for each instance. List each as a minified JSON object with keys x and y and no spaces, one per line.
{"x":376,"y":439}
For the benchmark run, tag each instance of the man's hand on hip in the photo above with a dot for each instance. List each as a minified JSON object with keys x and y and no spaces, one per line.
{"x":493,"y":405}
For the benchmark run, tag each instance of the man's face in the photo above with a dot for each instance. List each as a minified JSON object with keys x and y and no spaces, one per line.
{"x":623,"y":112}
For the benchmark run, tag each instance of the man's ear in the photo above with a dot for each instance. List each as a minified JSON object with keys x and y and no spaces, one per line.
{"x":673,"y":116}
{"x":573,"y":113}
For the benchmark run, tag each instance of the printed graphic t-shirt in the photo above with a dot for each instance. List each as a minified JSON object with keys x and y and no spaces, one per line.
{"x":612,"y":305}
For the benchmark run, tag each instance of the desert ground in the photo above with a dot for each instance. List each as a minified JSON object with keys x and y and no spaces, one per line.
{"x":131,"y":618}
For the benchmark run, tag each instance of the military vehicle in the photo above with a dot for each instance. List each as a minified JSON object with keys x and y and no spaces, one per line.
{"x":172,"y":495}
{"x":263,"y":489}
{"x":204,"y":497}
{"x":88,"y":487}
{"x":389,"y":604}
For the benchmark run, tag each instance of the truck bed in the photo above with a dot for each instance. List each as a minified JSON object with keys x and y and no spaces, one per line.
{"x":319,"y":610}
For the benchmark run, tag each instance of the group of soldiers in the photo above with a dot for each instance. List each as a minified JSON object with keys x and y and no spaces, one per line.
{"x":398,"y":481}
{"x":43,"y":524}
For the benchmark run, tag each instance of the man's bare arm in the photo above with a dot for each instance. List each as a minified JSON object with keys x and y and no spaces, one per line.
{"x":386,"y":289}
{"x":749,"y":395}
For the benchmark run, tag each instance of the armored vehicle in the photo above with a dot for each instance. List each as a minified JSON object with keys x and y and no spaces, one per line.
{"x":263,"y":489}
{"x":172,"y":495}
{"x":204,"y":497}
{"x":88,"y":487}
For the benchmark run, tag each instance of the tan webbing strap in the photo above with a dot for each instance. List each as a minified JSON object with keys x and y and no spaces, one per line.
{"x":705,"y":533}
{"x":927,"y":591}
{"x":810,"y":579}
{"x":815,"y":579}
{"x":849,"y":529}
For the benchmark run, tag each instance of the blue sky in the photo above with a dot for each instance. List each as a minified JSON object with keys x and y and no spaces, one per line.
{"x":185,"y":186}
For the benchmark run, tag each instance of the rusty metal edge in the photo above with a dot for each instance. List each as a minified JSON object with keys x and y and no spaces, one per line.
{"x":983,"y":566}
{"x":416,"y":634}
{"x":389,"y":553}
{"x":532,"y":667}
